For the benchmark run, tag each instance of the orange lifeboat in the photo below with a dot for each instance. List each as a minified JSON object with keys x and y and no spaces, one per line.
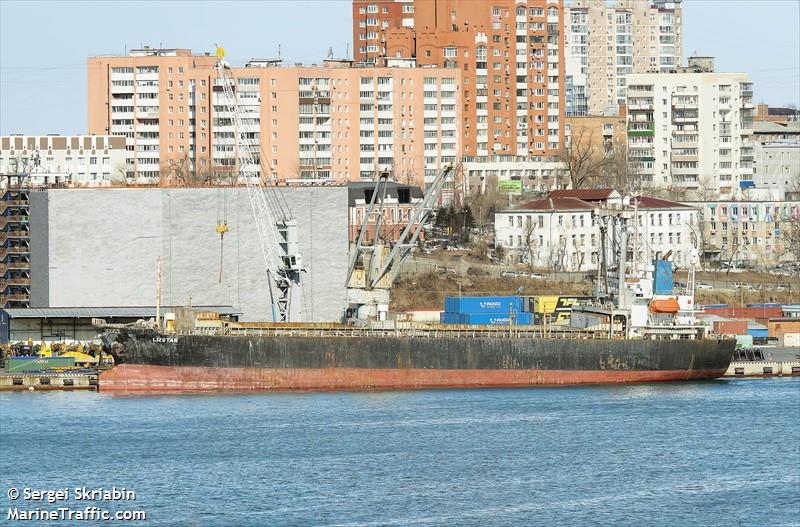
{"x":664,"y":305}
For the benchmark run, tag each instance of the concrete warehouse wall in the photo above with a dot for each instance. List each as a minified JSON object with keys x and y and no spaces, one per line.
{"x":98,"y":247}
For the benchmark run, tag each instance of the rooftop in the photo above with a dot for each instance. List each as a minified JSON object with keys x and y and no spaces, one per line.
{"x":772,"y":127}
{"x":362,"y":191}
{"x":646,"y":202}
{"x":555,"y":203}
{"x":589,"y":194}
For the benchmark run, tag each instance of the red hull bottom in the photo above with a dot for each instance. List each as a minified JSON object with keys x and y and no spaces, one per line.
{"x":142,"y":378}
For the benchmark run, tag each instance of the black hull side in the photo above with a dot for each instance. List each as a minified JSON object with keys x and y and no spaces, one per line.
{"x":144,"y":347}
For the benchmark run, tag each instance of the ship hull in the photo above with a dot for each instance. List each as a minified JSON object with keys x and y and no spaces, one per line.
{"x":150,"y":362}
{"x":162,"y":379}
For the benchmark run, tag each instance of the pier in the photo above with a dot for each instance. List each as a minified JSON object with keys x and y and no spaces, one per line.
{"x":35,"y":381}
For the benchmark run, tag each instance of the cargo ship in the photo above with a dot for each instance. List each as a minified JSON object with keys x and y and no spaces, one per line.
{"x":341,"y":358}
{"x":632,"y":329}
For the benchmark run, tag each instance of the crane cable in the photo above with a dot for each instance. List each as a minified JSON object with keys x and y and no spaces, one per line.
{"x":222,"y":226}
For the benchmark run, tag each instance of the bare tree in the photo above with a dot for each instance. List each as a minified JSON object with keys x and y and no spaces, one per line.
{"x":791,"y":238}
{"x":623,"y":173}
{"x":699,"y":238}
{"x":707,"y":188}
{"x":181,"y":172}
{"x":557,"y":257}
{"x":585,"y":161}
{"x":484,"y":204}
{"x":529,"y":242}
{"x":734,"y":237}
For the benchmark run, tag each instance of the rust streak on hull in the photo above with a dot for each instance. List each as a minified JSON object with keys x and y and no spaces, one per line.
{"x":133,"y":378}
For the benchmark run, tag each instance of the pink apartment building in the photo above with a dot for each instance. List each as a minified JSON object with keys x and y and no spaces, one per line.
{"x":332,"y":123}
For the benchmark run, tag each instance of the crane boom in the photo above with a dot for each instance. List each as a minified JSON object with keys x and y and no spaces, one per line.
{"x":408,"y":238}
{"x":380,"y":263}
{"x":277,"y":228}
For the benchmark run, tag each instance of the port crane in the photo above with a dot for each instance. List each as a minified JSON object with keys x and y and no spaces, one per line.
{"x":277,"y":227}
{"x":373,"y":267}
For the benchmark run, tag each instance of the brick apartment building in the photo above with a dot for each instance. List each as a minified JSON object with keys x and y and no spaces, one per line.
{"x":510,"y":55}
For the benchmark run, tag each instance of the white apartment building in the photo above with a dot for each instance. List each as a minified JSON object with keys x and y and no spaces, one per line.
{"x":606,"y":42}
{"x":777,"y":167}
{"x":560,"y":232}
{"x":82,"y":160}
{"x":691,"y":132}
{"x":776,"y":159}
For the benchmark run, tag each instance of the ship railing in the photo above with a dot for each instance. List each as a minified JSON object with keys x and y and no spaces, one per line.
{"x":469,"y":332}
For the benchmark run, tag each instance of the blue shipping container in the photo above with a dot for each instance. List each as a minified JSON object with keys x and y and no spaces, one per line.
{"x":663,"y":285}
{"x":450,"y":318}
{"x":496,"y":319}
{"x":482,"y":304}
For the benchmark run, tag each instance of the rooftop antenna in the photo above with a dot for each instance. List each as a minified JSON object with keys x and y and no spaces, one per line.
{"x":330,"y":52}
{"x":279,"y":51}
{"x":347,"y":52}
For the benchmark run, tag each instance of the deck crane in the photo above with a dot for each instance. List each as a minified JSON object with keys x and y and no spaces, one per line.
{"x":373,"y":268}
{"x":277,"y":228}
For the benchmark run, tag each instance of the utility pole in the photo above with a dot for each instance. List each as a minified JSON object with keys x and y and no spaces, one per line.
{"x":158,"y":293}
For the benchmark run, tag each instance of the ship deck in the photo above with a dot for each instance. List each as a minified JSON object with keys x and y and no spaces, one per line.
{"x":416,"y":330}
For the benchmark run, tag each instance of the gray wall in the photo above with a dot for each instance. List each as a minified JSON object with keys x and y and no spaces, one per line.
{"x":39,"y":225}
{"x":102,"y":246}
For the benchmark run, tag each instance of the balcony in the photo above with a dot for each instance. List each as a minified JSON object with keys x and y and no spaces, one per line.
{"x":683,"y":158}
{"x":146,"y":115}
{"x":685,"y":144}
{"x":684,"y":118}
{"x":684,"y":182}
{"x":694,"y":171}
{"x":648,"y":130}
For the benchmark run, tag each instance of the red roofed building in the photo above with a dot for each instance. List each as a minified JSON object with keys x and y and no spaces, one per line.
{"x":593,"y":195}
{"x":559,"y":232}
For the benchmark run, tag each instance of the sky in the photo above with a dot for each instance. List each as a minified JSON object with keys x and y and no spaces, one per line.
{"x":44,"y":44}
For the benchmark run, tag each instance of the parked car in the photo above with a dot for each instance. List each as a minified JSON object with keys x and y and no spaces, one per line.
{"x":509,"y":274}
{"x":679,"y":285}
{"x":704,"y":286}
{"x":536,"y":276}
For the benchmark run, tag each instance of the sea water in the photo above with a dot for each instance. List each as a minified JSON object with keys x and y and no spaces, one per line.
{"x":724,"y":452}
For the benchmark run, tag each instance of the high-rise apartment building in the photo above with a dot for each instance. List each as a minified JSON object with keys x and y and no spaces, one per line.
{"x":510,"y":55}
{"x":606,"y":42}
{"x":333,"y":123}
{"x":691,"y":131}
